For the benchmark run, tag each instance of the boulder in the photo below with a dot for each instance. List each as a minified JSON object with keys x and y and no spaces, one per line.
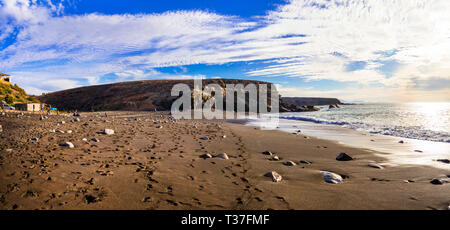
{"x":305,"y":162}
{"x":331,"y":177}
{"x":222,"y":155}
{"x":108,"y":131}
{"x":206,"y":155}
{"x":67,"y":144}
{"x":344,"y":157}
{"x":289,"y":163}
{"x":436,"y":181}
{"x":95,"y":140}
{"x":377,"y":166}
{"x":274,"y":176}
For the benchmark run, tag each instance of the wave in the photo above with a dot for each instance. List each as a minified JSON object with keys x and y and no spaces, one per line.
{"x":412,"y":132}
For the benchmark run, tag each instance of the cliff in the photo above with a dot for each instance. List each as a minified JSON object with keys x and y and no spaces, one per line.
{"x":311,"y":101}
{"x":134,"y":96}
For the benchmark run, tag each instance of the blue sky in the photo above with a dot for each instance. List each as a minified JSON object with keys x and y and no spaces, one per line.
{"x":354,"y":50}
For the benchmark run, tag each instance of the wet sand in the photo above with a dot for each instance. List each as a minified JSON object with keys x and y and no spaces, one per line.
{"x":142,"y":166}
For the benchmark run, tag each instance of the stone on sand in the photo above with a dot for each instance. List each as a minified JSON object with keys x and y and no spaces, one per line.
{"x":108,"y":131}
{"x":84,"y":139}
{"x":222,"y":156}
{"x":275,"y":158}
{"x":206,"y":155}
{"x":34,"y":139}
{"x":268,"y":153}
{"x":305,"y":162}
{"x":289,"y":163}
{"x":274,"y":176}
{"x":436,"y":181}
{"x":204,"y":138}
{"x":373,"y":165}
{"x":159,"y":127}
{"x":67,"y":144}
{"x":447,"y":161}
{"x":95,"y":140}
{"x":331,"y":177}
{"x":344,"y":157}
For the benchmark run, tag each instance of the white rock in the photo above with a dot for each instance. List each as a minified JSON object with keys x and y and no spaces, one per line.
{"x":274,"y":176}
{"x":69,"y":131}
{"x":377,"y":166}
{"x":223,"y":156}
{"x":224,"y":136}
{"x":84,"y":139}
{"x":332,"y":178}
{"x":289,"y":163}
{"x":95,"y":140}
{"x":60,"y":131}
{"x":108,"y":131}
{"x":52,"y":131}
{"x":275,"y":158}
{"x":67,"y":144}
{"x":206,"y":155}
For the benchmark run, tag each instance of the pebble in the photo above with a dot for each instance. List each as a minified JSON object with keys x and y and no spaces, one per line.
{"x":268,"y":153}
{"x":289,"y":163}
{"x":52,"y":131}
{"x":332,"y":178}
{"x":373,"y":165}
{"x":275,"y":158}
{"x":84,"y":139}
{"x":305,"y":162}
{"x":447,"y":161}
{"x":436,"y":181}
{"x":223,"y":156}
{"x":69,"y":131}
{"x":204,"y":138}
{"x":34,"y":139}
{"x":206,"y":155}
{"x":344,"y":157}
{"x":95,"y":140}
{"x":108,"y":131}
{"x":401,"y":142}
{"x":67,"y":144}
{"x":159,"y":127}
{"x":274,"y":176}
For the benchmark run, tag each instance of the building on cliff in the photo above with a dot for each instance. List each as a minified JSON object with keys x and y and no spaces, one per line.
{"x":5,"y":78}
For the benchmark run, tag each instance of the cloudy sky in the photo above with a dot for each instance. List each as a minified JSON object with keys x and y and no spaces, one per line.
{"x":356,"y":50}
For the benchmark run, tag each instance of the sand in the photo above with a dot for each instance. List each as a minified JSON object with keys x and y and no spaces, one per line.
{"x":153,"y":162}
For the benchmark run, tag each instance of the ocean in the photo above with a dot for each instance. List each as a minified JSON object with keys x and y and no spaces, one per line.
{"x":422,"y":121}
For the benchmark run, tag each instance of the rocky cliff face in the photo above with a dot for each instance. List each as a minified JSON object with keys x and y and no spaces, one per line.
{"x":310,"y":101}
{"x":132,"y":96}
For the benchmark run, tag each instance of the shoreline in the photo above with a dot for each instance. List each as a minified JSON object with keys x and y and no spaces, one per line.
{"x":145,"y":166}
{"x":409,"y":152}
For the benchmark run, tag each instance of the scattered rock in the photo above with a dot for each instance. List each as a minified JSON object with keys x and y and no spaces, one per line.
{"x":69,"y":131}
{"x":289,"y":163}
{"x":84,"y":139}
{"x":332,"y":178}
{"x":95,"y":140}
{"x":206,"y":155}
{"x":52,"y":131}
{"x":305,"y":162}
{"x":401,"y":142}
{"x":60,"y":131}
{"x":275,"y":158}
{"x":204,"y":138}
{"x":267,"y":153}
{"x":67,"y":144}
{"x":344,"y":157}
{"x":159,"y":127}
{"x":76,"y":119}
{"x":418,"y":151}
{"x":223,"y":156}
{"x":34,"y":139}
{"x":108,"y":131}
{"x":447,"y":161}
{"x":224,"y":136}
{"x":436,"y":181}
{"x":373,"y":165}
{"x":274,"y":176}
